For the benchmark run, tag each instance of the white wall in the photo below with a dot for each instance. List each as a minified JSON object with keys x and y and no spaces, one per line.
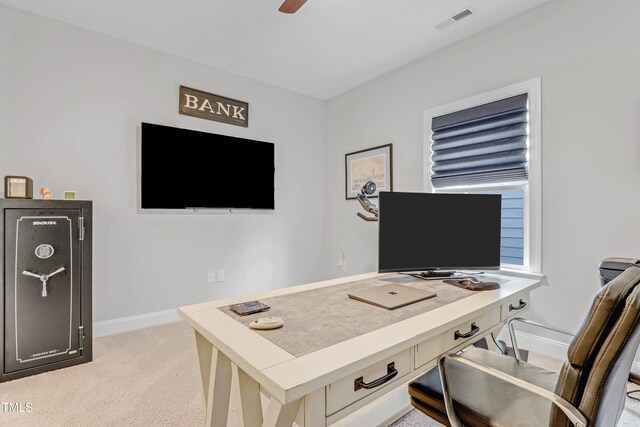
{"x":587,"y":54}
{"x":70,"y":104}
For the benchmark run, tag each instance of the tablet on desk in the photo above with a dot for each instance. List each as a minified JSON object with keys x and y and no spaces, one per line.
{"x":391,"y":296}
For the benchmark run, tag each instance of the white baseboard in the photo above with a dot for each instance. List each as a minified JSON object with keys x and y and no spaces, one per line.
{"x":130,"y":323}
{"x":552,"y":348}
{"x":542,"y":345}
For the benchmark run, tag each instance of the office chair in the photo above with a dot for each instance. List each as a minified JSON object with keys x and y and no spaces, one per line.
{"x":483,"y":388}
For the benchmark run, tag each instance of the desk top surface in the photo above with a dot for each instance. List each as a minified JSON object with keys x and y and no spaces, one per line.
{"x":282,"y":371}
{"x":319,"y":318}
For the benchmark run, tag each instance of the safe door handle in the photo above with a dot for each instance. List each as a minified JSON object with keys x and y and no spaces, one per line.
{"x":474,"y":330}
{"x":522,"y":305}
{"x":44,"y":278}
{"x":359,"y":383}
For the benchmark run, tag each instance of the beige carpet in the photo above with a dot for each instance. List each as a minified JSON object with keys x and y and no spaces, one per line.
{"x":144,"y":378}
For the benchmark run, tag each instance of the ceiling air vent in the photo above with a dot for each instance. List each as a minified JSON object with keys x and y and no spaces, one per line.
{"x":462,"y":15}
{"x":456,"y":18}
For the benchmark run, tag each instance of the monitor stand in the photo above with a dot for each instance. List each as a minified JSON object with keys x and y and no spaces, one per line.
{"x":442,"y":274}
{"x":437,"y":274}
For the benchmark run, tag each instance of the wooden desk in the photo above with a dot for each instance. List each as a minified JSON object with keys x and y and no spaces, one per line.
{"x":317,"y":389}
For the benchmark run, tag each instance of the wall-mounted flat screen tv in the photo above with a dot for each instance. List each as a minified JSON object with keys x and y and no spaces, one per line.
{"x":187,"y":169}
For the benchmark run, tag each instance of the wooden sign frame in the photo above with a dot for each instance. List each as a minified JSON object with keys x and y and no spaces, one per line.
{"x":209,"y":106}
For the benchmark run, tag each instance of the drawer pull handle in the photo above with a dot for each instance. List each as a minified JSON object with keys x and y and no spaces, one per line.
{"x":359,"y":383}
{"x":474,"y":330}
{"x":522,"y":305}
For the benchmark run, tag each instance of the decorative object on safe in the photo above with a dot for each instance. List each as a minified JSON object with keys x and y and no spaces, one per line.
{"x":46,"y":193}
{"x":18,"y":187}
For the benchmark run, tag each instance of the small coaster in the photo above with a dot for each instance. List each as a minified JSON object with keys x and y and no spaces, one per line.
{"x":267,"y":323}
{"x":249,"y":307}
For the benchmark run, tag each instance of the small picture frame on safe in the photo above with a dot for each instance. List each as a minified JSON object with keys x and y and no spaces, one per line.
{"x":18,"y":187}
{"x":372,"y":164}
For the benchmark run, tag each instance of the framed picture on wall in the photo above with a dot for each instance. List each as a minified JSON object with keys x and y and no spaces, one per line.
{"x":373,"y":164}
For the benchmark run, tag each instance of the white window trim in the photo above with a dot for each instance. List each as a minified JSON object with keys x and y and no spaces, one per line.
{"x":532,"y":191}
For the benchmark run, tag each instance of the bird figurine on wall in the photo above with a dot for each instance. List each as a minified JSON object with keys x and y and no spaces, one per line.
{"x":367,"y":190}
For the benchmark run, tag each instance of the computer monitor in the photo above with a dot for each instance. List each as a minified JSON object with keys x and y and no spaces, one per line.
{"x":425,"y":231}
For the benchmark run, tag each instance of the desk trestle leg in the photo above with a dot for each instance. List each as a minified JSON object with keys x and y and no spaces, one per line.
{"x":215,"y":369}
{"x":314,"y":409}
{"x":279,"y":415}
{"x":248,"y":396}
{"x":492,"y":339}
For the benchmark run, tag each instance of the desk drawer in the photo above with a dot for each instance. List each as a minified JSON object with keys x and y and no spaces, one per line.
{"x":514,"y":305}
{"x":352,"y":388}
{"x":468,"y":331}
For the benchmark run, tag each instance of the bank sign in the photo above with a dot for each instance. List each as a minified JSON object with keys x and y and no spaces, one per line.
{"x":208,"y":106}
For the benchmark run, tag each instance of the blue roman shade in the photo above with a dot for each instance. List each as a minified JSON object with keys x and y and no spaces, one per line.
{"x":486,"y":144}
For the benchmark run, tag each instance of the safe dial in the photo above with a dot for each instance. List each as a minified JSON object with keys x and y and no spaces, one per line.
{"x":44,"y":251}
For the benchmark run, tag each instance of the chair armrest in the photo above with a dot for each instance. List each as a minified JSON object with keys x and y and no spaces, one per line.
{"x":573,"y":414}
{"x":512,"y":333}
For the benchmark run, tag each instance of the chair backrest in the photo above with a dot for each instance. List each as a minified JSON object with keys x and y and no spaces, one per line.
{"x":594,"y":376}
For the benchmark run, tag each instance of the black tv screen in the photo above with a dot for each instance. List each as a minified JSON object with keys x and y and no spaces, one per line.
{"x":187,"y":169}
{"x":424,"y":231}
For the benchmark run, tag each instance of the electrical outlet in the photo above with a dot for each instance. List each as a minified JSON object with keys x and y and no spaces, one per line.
{"x":211,"y":277}
{"x":221,"y":275}
{"x":342,"y":263}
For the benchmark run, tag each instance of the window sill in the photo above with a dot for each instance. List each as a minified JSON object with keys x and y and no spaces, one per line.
{"x":521,"y":273}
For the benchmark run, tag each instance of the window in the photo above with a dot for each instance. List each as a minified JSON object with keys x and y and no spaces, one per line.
{"x":512,"y":232}
{"x":490,"y":144}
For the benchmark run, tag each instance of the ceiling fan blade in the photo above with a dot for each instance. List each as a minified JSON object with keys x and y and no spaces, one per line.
{"x":291,"y":6}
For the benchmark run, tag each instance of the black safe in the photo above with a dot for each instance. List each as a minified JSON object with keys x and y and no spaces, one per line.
{"x":46,"y":285}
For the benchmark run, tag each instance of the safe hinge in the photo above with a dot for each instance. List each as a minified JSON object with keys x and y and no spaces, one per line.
{"x":81,"y":227}
{"x":81,"y":337}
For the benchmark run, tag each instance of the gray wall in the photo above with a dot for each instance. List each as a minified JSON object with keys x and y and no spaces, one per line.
{"x":587,"y":54}
{"x":71,"y":101}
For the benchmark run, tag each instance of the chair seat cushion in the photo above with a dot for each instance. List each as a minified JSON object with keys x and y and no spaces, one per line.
{"x":481,"y":400}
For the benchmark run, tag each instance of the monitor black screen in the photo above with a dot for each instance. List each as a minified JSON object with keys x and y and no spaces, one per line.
{"x":424,"y":231}
{"x":183,"y":169}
